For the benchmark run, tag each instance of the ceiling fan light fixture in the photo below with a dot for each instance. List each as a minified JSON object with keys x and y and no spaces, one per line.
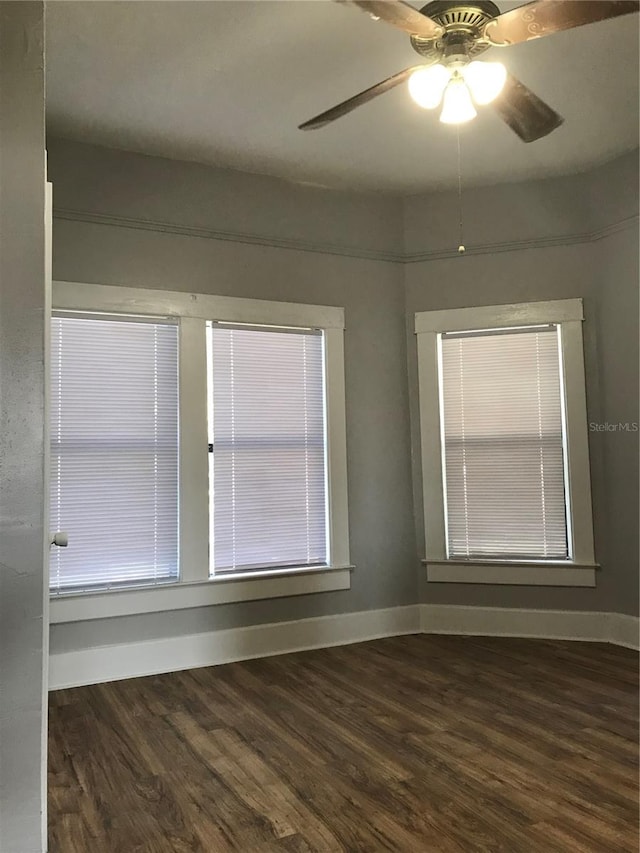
{"x":427,"y":85}
{"x":485,"y":80}
{"x":457,"y":106}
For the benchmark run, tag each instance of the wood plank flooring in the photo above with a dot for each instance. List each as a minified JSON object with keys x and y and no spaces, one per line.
{"x":420,"y":743}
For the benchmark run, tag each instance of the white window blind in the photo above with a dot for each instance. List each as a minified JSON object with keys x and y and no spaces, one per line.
{"x":267,"y":434}
{"x":114,"y":451}
{"x":502,"y":426}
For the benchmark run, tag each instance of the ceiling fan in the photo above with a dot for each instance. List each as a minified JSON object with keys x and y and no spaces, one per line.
{"x":450,"y":35}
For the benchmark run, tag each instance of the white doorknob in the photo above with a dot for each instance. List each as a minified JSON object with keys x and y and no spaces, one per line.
{"x":61,"y":539}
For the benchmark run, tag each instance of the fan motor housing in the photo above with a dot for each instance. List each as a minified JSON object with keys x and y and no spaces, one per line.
{"x":462,"y":24}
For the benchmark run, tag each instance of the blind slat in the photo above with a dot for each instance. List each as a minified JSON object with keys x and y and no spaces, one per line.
{"x":114,"y":452}
{"x":503,"y":445}
{"x":268,"y":466}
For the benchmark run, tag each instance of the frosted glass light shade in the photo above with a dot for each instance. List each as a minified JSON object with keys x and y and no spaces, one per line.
{"x":457,"y":106}
{"x":485,"y":80}
{"x":426,"y":85}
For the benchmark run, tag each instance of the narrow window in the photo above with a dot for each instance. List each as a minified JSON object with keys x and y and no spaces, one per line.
{"x":114,"y":452}
{"x":268,"y":449}
{"x":503,"y":444}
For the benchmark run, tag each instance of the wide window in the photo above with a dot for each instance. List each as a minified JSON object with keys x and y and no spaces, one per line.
{"x":198,"y":450}
{"x":114,"y":451}
{"x":267,"y":448}
{"x":504,"y":445}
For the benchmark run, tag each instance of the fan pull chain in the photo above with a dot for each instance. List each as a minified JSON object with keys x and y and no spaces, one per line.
{"x":461,"y":248}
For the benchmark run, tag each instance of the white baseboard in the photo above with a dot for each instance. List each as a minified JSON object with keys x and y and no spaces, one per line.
{"x":541,"y":624}
{"x":130,"y":660}
{"x":625,"y":630}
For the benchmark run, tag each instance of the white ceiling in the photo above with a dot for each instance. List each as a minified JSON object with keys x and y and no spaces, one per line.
{"x":227,"y":83}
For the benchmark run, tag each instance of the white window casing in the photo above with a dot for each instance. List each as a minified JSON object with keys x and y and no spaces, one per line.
{"x":194,"y":587}
{"x":194,"y":480}
{"x":578,"y":569}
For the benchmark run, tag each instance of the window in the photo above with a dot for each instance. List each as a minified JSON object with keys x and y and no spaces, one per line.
{"x":114,"y":451}
{"x":198,"y":450}
{"x":502,"y":435}
{"x":504,"y":445}
{"x":267,"y":448}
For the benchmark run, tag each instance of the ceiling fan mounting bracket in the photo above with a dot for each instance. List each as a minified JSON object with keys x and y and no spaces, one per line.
{"x":463,"y":24}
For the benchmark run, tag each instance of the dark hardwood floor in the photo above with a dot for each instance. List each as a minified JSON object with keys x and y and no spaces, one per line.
{"x":419,"y":743}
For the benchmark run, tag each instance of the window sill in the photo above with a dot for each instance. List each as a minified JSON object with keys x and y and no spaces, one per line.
{"x":84,"y":606}
{"x":513,"y":574}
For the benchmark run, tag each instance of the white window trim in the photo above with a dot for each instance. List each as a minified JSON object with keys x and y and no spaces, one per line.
{"x":581,"y":569}
{"x":194,"y":587}
{"x":181,"y":595}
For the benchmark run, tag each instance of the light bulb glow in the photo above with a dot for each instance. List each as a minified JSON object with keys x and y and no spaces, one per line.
{"x":485,"y":80}
{"x":457,"y":106}
{"x":426,"y":85}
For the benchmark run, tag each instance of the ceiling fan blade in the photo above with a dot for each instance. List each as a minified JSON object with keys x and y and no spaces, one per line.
{"x":401,"y":15}
{"x":544,"y":17}
{"x":526,"y":114}
{"x":357,"y":100}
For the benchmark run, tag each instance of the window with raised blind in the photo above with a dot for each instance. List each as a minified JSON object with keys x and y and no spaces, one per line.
{"x":503,"y":444}
{"x":114,"y":451}
{"x":268,"y":448}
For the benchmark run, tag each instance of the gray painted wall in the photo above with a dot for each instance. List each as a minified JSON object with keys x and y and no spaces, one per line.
{"x":380,"y":514}
{"x":552,"y":211}
{"x":113,"y":183}
{"x":22,"y":325}
{"x":604,"y":272}
{"x":617,"y":330}
{"x":380,"y":298}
